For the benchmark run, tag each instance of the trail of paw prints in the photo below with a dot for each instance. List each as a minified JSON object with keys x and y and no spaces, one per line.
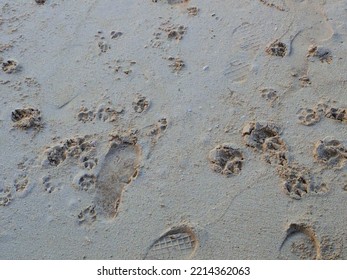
{"x":119,"y":168}
{"x":19,"y":188}
{"x":265,"y":138}
{"x":81,"y":148}
{"x":226,"y":160}
{"x":169,"y":32}
{"x":178,"y":243}
{"x":301,"y":242}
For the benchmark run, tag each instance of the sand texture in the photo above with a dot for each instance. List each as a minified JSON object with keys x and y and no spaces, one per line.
{"x":173,"y":129}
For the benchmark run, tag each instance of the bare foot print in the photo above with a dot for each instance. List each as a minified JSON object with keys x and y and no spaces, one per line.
{"x":178,"y":243}
{"x":226,"y":160}
{"x":119,"y":168}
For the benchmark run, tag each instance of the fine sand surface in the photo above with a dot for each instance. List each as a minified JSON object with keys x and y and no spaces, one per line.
{"x":173,"y":129}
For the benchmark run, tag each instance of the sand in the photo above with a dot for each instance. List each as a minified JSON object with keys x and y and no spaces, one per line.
{"x":173,"y":129}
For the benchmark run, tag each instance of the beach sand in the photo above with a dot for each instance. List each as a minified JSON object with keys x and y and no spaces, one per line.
{"x":173,"y":129}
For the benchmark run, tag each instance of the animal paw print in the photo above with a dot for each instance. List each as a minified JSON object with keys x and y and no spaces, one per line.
{"x":269,"y":94}
{"x":21,"y":183}
{"x":173,"y":31}
{"x":255,"y":133}
{"x":87,"y":216}
{"x":193,"y":11}
{"x":27,"y":118}
{"x":47,"y":185}
{"x":308,"y":116}
{"x":5,"y":196}
{"x":10,"y":66}
{"x":88,"y":162}
{"x":277,"y":48}
{"x":72,"y":148}
{"x":330,"y":152}
{"x":323,"y":54}
{"x":86,"y":182}
{"x":177,"y":64}
{"x":85,"y":115}
{"x":226,"y":160}
{"x":338,"y":114}
{"x":298,"y":181}
{"x":106,"y":113}
{"x":140,"y":104}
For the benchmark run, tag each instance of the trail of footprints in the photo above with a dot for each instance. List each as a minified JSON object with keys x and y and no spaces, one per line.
{"x":105,"y":179}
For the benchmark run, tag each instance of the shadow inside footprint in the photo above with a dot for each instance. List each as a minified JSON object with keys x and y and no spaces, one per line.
{"x":120,"y":167}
